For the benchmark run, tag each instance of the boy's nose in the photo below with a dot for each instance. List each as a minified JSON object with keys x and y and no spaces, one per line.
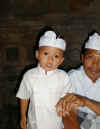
{"x":50,"y":59}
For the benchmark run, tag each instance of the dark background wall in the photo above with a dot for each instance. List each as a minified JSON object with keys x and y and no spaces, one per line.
{"x":20,"y":22}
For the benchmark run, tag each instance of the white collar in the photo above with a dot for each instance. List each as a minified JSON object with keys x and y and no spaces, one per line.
{"x":42,"y":71}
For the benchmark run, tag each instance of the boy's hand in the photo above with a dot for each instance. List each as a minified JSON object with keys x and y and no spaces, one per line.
{"x":23,"y":123}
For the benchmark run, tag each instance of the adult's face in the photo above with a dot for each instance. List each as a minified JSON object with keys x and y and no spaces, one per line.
{"x":91,"y":63}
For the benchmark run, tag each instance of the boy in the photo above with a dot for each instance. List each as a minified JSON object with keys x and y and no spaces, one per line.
{"x":43,"y":86}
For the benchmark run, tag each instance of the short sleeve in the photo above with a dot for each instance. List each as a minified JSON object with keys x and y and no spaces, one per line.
{"x":24,"y":91}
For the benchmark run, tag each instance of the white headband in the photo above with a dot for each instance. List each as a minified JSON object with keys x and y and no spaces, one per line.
{"x":93,"y":42}
{"x":49,"y":39}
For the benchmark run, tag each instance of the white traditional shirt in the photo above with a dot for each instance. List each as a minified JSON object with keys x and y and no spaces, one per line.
{"x":82,"y":85}
{"x":44,"y":91}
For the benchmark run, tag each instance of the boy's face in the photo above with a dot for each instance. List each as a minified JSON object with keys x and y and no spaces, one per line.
{"x":91,"y":62}
{"x":49,"y":57}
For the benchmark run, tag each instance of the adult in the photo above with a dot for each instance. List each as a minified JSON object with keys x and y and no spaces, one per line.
{"x":84,"y":100}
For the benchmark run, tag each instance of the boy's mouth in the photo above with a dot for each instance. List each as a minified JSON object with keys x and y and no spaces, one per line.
{"x":49,"y":65}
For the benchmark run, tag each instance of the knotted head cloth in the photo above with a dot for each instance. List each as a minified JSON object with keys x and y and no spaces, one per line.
{"x":50,"y":39}
{"x":93,"y":42}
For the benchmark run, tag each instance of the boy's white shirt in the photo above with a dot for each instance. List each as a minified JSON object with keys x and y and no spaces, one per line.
{"x":44,"y":91}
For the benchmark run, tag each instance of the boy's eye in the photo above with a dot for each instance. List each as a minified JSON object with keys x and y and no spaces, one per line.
{"x":45,"y":53}
{"x":56,"y":56}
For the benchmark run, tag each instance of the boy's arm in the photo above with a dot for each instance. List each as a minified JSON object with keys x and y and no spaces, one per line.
{"x":23,"y":111}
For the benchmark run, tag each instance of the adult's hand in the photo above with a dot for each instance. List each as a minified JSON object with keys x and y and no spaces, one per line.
{"x":69,"y":103}
{"x":75,"y":99}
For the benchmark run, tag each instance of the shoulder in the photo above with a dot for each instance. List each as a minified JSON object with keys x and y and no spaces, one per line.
{"x":62,"y":73}
{"x":75,"y":72}
{"x":29,"y":73}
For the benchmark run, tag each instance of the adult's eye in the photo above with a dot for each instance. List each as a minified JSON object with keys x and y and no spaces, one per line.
{"x":89,"y":56}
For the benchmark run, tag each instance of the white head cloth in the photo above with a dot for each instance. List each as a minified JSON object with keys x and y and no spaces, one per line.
{"x":49,"y":39}
{"x":93,"y":42}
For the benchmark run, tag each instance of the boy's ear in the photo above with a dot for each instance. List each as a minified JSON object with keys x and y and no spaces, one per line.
{"x":37,"y":54}
{"x":61,"y":61}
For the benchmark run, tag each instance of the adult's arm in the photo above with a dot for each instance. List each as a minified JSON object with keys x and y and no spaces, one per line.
{"x":72,"y":100}
{"x":93,"y":105}
{"x":70,"y":121}
{"x":77,"y":100}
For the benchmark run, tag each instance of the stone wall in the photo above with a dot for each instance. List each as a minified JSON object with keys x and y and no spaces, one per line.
{"x":20,"y":22}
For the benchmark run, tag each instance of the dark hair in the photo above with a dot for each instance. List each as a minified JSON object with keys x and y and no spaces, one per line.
{"x":83,"y":49}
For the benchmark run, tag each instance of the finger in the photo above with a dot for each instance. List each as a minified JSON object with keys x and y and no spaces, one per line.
{"x":70,"y":97}
{"x":23,"y":125}
{"x":59,"y":109}
{"x":63,"y":106}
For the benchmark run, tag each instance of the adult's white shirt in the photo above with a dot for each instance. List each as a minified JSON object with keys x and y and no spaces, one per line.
{"x":82,"y":85}
{"x":44,"y":91}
